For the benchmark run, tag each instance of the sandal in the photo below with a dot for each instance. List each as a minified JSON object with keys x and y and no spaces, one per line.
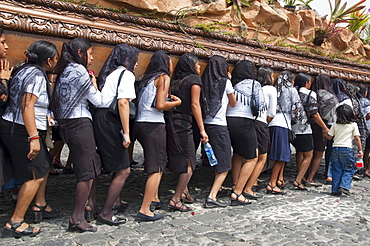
{"x":188,"y":198}
{"x":90,"y":215}
{"x":73,"y":227}
{"x":237,"y":202}
{"x":299,"y":186}
{"x":182,"y":208}
{"x":280,"y":183}
{"x":42,"y":214}
{"x":274,"y":192}
{"x":12,"y":231}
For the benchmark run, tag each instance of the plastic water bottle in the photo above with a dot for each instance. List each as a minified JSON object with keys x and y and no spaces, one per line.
{"x":210,"y":154}
{"x":359,"y":163}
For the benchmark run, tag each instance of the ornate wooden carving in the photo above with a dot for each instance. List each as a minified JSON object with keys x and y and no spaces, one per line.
{"x":66,"y":20}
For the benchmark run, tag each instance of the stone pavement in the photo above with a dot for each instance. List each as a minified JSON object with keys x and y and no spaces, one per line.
{"x":310,"y":217}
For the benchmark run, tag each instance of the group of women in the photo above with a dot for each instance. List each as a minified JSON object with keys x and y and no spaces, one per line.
{"x":242,"y":115}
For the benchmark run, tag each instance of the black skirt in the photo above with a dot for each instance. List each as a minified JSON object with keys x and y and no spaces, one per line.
{"x":243,"y":136}
{"x":108,"y":138}
{"x":79,"y":136}
{"x":14,"y":137}
{"x":152,"y":137}
{"x":220,"y":140}
{"x":178,"y":160}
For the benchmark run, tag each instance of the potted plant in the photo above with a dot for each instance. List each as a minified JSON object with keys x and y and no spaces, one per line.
{"x":290,"y":5}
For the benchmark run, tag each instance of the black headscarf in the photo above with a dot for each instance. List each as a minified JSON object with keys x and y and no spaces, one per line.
{"x":339,"y":89}
{"x":123,"y":54}
{"x":185,"y":66}
{"x":159,"y":64}
{"x":243,"y":70}
{"x":214,"y":80}
{"x":321,"y":82}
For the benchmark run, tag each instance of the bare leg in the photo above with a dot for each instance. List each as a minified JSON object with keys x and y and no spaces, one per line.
{"x":115,"y":188}
{"x":217,"y":183}
{"x":182,"y":183}
{"x":40,"y":196}
{"x":314,"y":166}
{"x":280,"y":180}
{"x":305,"y":161}
{"x":256,"y":173}
{"x":151,"y":193}
{"x":26,"y":194}
{"x":245,"y":173}
{"x":237,"y":162}
{"x":276,"y":169}
{"x":367,"y":162}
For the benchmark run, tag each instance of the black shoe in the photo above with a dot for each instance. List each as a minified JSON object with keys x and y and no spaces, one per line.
{"x":133,"y":163}
{"x":251,"y":196}
{"x":149,"y":218}
{"x":115,"y":220}
{"x":73,"y":227}
{"x":42,"y":214}
{"x":338,"y":193}
{"x":156,"y":205}
{"x":210,"y":203}
{"x":344,"y":191}
{"x":121,"y":207}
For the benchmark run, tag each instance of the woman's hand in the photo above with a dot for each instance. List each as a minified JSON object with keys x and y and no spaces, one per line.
{"x":176,"y":99}
{"x":127,"y":141}
{"x":93,"y":79}
{"x":5,"y":70}
{"x":34,"y":149}
{"x":204,"y":137}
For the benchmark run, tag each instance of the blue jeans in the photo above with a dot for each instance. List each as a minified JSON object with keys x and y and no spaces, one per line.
{"x":343,"y":168}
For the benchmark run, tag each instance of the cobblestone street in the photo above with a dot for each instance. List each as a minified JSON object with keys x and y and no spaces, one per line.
{"x":312,"y":217}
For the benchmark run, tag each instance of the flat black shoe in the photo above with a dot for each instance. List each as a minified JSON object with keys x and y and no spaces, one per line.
{"x":149,"y":218}
{"x":115,"y":220}
{"x":42,"y":214}
{"x":73,"y":227}
{"x":210,"y":203}
{"x":251,"y":196}
{"x":336,"y":193}
{"x":156,"y":205}
{"x":12,"y":231}
{"x":344,"y":191}
{"x":121,"y":207}
{"x":299,"y":186}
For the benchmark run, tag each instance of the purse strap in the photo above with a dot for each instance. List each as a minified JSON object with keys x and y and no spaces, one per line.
{"x":282,"y":110}
{"x":119,"y":81}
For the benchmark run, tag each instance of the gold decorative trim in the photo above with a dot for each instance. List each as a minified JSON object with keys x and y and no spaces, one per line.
{"x":66,"y":20}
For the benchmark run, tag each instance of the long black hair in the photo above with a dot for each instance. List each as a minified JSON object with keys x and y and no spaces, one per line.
{"x":345,"y":114}
{"x":1,"y":31}
{"x":264,"y":75}
{"x":70,"y":52}
{"x":39,"y":52}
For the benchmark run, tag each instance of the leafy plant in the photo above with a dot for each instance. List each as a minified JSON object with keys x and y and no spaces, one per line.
{"x":358,"y":20}
{"x":340,"y":14}
{"x":306,"y":3}
{"x":290,"y":2}
{"x":238,"y":6}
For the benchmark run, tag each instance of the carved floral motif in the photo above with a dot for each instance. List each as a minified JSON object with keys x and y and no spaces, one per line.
{"x":66,"y":20}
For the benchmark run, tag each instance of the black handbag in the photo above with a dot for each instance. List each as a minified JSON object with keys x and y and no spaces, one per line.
{"x":253,"y":103}
{"x":113,"y":107}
